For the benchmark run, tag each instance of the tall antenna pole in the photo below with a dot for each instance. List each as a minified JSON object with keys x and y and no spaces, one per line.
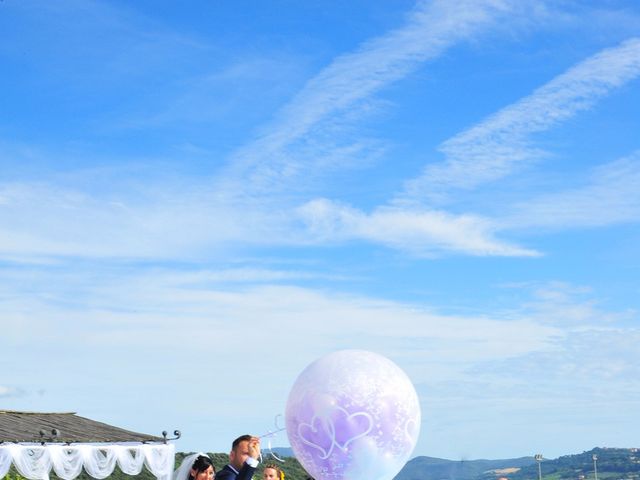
{"x":538,"y":458}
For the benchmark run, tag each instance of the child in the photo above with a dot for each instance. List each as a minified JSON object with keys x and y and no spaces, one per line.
{"x":272,"y":472}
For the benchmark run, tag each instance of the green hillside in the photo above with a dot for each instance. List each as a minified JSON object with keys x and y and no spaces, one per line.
{"x":612,"y":463}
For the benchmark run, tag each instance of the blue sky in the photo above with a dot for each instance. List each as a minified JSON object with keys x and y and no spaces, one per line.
{"x":197,"y":200}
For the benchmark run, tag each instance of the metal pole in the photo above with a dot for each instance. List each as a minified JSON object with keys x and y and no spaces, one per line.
{"x":538,"y":458}
{"x":595,"y":466}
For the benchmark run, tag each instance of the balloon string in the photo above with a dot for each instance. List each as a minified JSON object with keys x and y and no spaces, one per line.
{"x":271,"y":434}
{"x":278,"y":428}
{"x":273,"y":454}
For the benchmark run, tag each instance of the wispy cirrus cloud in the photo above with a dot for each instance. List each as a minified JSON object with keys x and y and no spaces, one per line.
{"x":299,"y":143}
{"x":289,"y":146}
{"x":487,"y":152}
{"x":500,"y":144}
{"x":610,"y":196}
{"x":303,"y":141}
{"x":490,"y":151}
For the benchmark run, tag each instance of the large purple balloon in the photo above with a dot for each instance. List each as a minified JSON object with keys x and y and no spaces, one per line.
{"x":353,"y":415}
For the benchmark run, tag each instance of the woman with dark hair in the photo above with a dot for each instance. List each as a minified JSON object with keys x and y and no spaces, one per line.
{"x":195,"y":467}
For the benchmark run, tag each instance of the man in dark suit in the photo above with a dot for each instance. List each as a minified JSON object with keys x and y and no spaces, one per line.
{"x":243,"y":459}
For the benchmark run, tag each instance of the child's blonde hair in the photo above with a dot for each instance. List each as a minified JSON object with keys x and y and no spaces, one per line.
{"x":279,"y":472}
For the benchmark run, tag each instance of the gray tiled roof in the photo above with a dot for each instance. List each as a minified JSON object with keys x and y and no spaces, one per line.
{"x":22,"y":427}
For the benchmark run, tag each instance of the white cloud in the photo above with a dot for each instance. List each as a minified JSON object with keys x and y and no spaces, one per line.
{"x":161,"y":221}
{"x":569,"y":306}
{"x":166,"y":329}
{"x":594,"y":346}
{"x":610,"y":196}
{"x":586,"y":372}
{"x":101,"y":309}
{"x":597,"y":365}
{"x":248,"y":275}
{"x":7,"y":392}
{"x":4,"y":391}
{"x":498,"y":145}
{"x":152,"y":219}
{"x":421,"y":232}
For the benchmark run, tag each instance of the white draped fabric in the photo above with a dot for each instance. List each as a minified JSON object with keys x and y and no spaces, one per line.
{"x":67,"y":461}
{"x":5,"y":461}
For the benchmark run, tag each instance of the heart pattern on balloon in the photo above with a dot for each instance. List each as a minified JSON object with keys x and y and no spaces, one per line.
{"x":316,"y":436}
{"x":410,"y":430}
{"x":350,"y":426}
{"x":337,"y":428}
